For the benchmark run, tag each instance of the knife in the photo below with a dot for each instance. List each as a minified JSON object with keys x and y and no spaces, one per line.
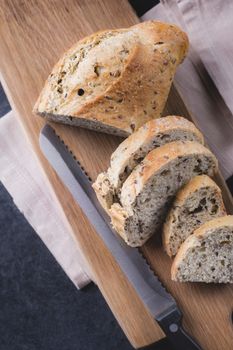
{"x":156,"y":299}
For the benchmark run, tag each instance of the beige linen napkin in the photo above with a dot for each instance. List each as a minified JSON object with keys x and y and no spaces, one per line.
{"x":210,"y":28}
{"x":21,"y":175}
{"x":193,"y":79}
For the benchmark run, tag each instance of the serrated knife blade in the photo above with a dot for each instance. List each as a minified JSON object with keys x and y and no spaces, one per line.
{"x":156,"y":299}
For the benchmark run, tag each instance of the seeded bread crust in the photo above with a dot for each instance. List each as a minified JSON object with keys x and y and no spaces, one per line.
{"x":115,"y":80}
{"x":131,"y":151}
{"x":192,"y":190}
{"x":194,"y":242}
{"x":104,"y":191}
{"x":154,"y":161}
{"x":158,"y":160}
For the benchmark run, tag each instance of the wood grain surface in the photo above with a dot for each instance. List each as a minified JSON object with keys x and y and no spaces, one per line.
{"x":34,"y":34}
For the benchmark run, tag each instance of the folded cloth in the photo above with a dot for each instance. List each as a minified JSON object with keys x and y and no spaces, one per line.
{"x":210,"y":24}
{"x":21,"y":175}
{"x":197,"y":79}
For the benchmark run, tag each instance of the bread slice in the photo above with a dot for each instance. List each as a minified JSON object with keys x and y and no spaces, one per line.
{"x":207,"y":255}
{"x":132,"y":151}
{"x":200,"y":200}
{"x":114,"y":80}
{"x":147,"y":193}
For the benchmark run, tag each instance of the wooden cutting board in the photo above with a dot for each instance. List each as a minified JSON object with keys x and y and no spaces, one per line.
{"x":34,"y":34}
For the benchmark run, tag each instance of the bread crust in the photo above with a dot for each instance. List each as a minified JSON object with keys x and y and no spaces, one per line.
{"x":195,"y":239}
{"x":135,"y":95}
{"x":104,"y":191}
{"x":118,"y":218}
{"x":154,"y":161}
{"x":193,"y":185}
{"x":144,"y":135}
{"x":123,"y":156}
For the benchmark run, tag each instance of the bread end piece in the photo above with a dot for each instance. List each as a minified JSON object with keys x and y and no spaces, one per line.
{"x":114,"y":81}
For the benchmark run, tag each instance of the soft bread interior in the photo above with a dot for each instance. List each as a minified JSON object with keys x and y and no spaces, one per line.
{"x":133,"y":150}
{"x":207,"y":255}
{"x":147,"y":203}
{"x":197,"y":202}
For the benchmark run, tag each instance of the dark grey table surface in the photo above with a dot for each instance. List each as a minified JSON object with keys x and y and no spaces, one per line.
{"x":40,"y":309}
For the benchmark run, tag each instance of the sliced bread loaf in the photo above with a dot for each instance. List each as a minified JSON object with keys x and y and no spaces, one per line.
{"x":200,"y":200}
{"x":132,"y":150}
{"x":207,"y":255}
{"x":114,"y":80}
{"x":147,"y":193}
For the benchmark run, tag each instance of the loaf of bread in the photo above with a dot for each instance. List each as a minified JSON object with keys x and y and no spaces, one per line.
{"x":132,"y":151}
{"x":200,"y":200}
{"x":114,"y":80}
{"x":207,"y":255}
{"x":149,"y":190}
